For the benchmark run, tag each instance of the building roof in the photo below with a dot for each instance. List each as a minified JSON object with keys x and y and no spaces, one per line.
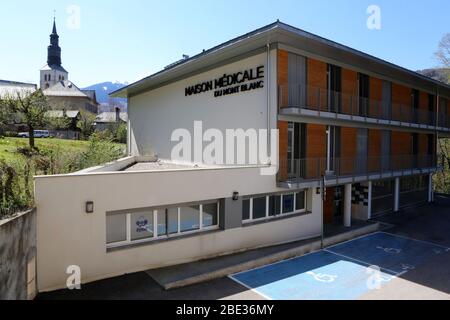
{"x":91,"y":94}
{"x":110,"y":117}
{"x":53,"y":67}
{"x":64,"y":89}
{"x":8,"y":87}
{"x":60,"y":113}
{"x":279,"y":34}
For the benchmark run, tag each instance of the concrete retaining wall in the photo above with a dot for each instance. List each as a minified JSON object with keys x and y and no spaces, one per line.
{"x":18,"y":257}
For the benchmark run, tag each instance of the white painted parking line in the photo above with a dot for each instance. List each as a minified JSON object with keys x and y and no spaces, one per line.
{"x":412,"y":239}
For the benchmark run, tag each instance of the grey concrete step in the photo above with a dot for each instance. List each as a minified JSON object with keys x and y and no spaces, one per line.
{"x":222,"y":266}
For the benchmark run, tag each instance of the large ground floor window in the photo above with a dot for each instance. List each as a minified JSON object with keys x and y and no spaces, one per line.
{"x":154,"y":224}
{"x":264,"y":207}
{"x":382,"y":196}
{"x":413,"y":190}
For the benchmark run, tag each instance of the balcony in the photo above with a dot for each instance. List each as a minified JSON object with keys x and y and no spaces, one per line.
{"x":304,"y":173}
{"x":331,"y":107}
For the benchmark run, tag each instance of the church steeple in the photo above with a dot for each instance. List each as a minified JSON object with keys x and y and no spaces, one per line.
{"x":54,"y":51}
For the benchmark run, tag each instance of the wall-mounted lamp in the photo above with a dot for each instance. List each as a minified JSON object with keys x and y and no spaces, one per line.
{"x":235,"y":196}
{"x":89,"y":207}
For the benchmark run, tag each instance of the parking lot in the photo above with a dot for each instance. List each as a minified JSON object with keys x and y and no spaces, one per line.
{"x":412,"y":256}
{"x":345,"y":271}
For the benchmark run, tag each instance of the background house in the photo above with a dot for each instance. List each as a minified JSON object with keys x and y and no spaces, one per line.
{"x":106,"y":120}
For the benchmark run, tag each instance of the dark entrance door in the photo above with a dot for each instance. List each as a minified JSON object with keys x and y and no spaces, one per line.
{"x":338,"y":205}
{"x":333,"y":206}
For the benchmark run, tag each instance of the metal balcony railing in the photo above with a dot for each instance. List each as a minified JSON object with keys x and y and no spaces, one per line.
{"x":315,"y":168}
{"x":324,"y":100}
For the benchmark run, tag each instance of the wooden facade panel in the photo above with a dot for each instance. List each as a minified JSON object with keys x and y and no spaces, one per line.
{"x":283,"y":76}
{"x":316,"y":149}
{"x":283,"y":148}
{"x":423,"y":144}
{"x":317,"y":83}
{"x":400,"y":143}
{"x":401,"y":149}
{"x":349,"y":91}
{"x":348,"y":149}
{"x":376,"y":97}
{"x":374,"y":150}
{"x":401,"y":102}
{"x":328,"y":206}
{"x":423,"y":107}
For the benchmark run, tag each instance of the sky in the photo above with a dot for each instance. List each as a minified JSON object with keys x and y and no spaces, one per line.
{"x":117,"y":40}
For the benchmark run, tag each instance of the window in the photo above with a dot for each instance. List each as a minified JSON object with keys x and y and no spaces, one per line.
{"x":246,"y":209}
{"x":210,"y":215}
{"x":189,"y":218}
{"x":267,"y":207}
{"x":300,"y":201}
{"x":162,"y":225}
{"x":172,"y":220}
{"x":116,"y":230}
{"x":128,"y":228}
{"x":142,"y":225}
{"x":259,"y":208}
{"x":274,"y":205}
{"x":288,"y":203}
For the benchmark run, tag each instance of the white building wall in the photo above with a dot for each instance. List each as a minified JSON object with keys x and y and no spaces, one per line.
{"x":67,"y":236}
{"x":154,"y":115}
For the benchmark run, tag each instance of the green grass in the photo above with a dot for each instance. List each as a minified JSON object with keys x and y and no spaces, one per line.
{"x":8,"y":146}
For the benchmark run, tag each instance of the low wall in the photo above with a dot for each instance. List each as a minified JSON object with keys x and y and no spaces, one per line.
{"x":18,"y":257}
{"x":67,"y":236}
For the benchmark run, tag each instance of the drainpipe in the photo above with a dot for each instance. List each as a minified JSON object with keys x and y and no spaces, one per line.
{"x":328,"y":171}
{"x":268,"y":86}
{"x":438,"y":106}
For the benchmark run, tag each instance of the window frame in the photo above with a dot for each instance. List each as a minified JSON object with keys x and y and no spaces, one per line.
{"x":156,"y":236}
{"x":268,"y":217}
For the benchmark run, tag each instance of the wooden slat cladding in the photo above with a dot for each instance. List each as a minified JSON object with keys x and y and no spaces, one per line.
{"x":401,"y":102}
{"x":317,"y":81}
{"x":328,"y":206}
{"x":283,"y":75}
{"x":376,"y":97}
{"x":423,"y":149}
{"x":349,"y":91}
{"x":316,"y":149}
{"x":401,"y":143}
{"x":374,"y":150}
{"x":283,"y":148}
{"x":401,"y":149}
{"x":348,"y":149}
{"x":423,"y":107}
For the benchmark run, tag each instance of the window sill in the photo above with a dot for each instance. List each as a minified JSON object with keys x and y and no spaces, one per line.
{"x":142,"y":243}
{"x":275,"y":218}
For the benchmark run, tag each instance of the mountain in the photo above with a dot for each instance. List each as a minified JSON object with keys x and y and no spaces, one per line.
{"x":102,"y":91}
{"x":440,"y":74}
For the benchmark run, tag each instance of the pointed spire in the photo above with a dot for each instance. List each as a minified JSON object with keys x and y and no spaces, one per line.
{"x":54,"y":51}
{"x":54,"y":26}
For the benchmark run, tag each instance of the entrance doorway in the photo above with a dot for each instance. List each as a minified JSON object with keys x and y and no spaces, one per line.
{"x":333,"y":206}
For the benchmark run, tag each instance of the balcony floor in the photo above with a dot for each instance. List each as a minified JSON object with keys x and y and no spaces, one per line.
{"x":333,"y":180}
{"x":332,"y":118}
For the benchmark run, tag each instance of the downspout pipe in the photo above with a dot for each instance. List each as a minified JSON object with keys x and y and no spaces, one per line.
{"x":268,"y":86}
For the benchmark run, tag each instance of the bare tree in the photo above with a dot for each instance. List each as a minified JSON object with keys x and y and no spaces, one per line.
{"x":31,"y":106}
{"x":443,"y":56}
{"x":443,"y":53}
{"x":86,"y":123}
